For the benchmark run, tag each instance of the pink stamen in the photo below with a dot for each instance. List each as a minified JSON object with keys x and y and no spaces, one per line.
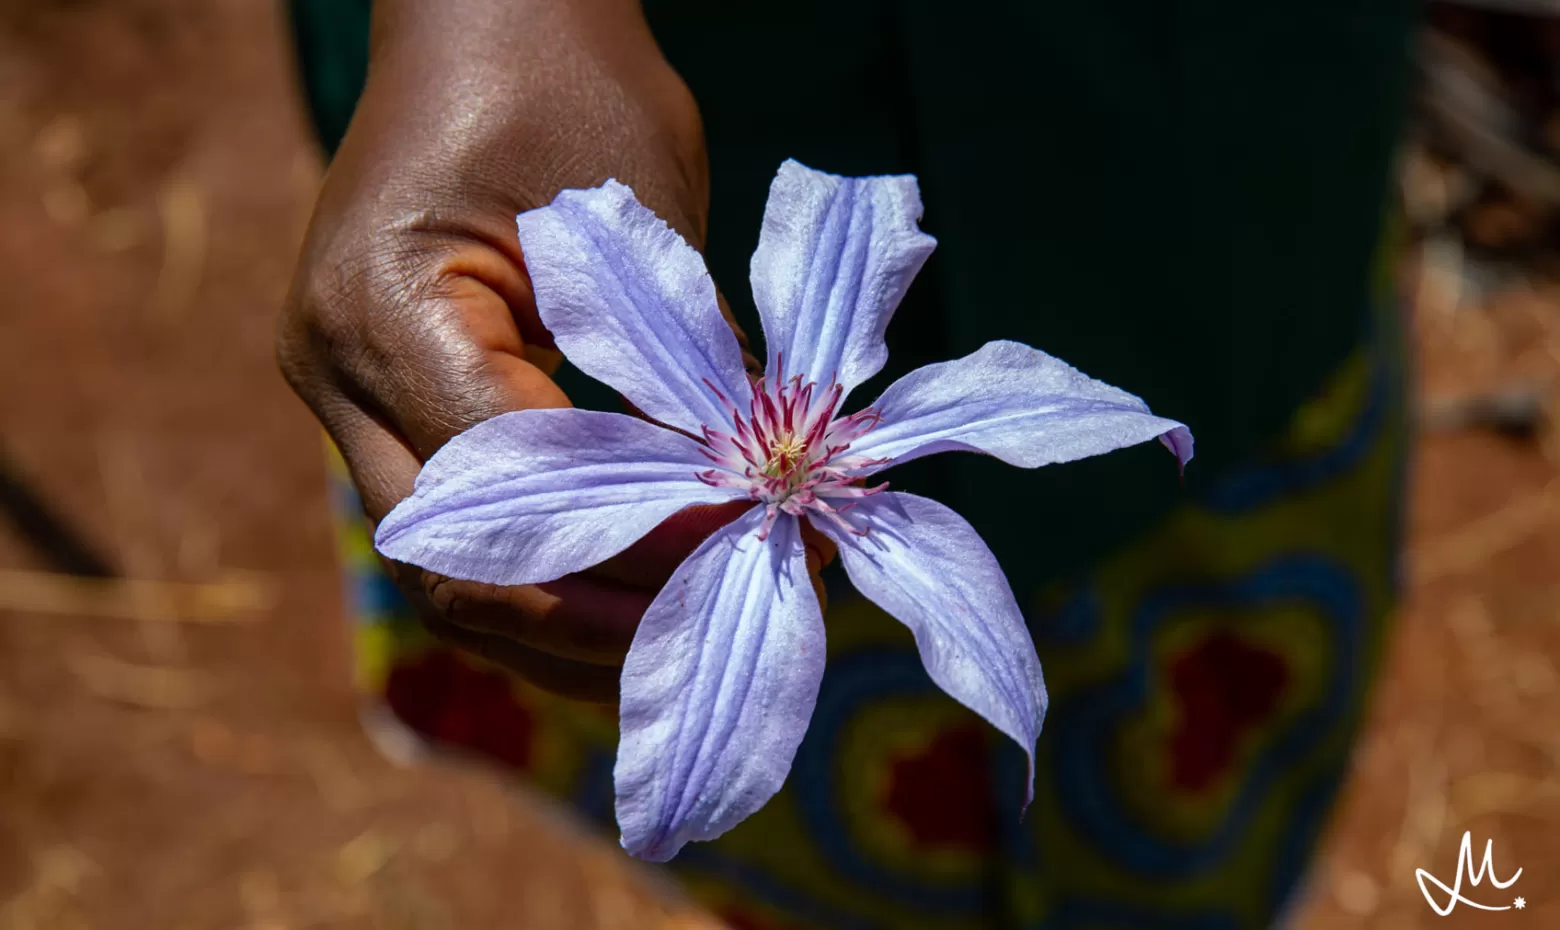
{"x":788,"y":450}
{"x":770,"y":413}
{"x":719,"y":395}
{"x":835,"y":516}
{"x":771,"y":514}
{"x":821,"y":425}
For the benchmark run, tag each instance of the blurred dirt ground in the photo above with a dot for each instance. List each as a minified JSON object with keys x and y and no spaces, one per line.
{"x":187,"y":754}
{"x":184,"y":752}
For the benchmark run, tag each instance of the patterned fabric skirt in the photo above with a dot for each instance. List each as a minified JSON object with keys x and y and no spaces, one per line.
{"x":1206,"y":684}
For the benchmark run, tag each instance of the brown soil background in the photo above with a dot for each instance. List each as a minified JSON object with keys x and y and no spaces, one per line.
{"x":187,"y":755}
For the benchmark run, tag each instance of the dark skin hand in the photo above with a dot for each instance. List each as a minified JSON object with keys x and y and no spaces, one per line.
{"x":411,"y":316}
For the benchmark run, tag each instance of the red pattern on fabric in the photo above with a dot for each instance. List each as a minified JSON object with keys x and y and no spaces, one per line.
{"x":942,"y":794}
{"x":1226,"y":688}
{"x":456,"y":703}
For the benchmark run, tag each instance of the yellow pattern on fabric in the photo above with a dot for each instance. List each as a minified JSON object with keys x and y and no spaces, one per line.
{"x":1197,"y":545}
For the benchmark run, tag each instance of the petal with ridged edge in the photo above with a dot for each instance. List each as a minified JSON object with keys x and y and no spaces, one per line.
{"x":534,"y":495}
{"x":1016,"y":403}
{"x":835,"y":256}
{"x":631,"y":304}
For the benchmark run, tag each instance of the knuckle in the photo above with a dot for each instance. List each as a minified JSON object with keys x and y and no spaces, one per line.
{"x":444,"y":595}
{"x":340,"y":322}
{"x":473,"y":605}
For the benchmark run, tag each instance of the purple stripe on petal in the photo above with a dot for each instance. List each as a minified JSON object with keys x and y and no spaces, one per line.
{"x":927,"y":567}
{"x":718,"y":688}
{"x":537,"y":494}
{"x":1016,"y":403}
{"x":834,"y":258}
{"x":631,"y":304}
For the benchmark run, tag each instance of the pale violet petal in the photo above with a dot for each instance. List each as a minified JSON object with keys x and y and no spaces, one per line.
{"x":718,"y":688}
{"x":1016,"y":403}
{"x":834,"y":257}
{"x":534,"y":495}
{"x":927,"y":567}
{"x":631,"y":304}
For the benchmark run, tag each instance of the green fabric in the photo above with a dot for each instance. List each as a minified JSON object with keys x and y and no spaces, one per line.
{"x":330,"y":38}
{"x":1182,"y":199}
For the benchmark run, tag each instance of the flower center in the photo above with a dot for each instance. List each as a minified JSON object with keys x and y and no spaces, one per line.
{"x":788,"y":450}
{"x":785,"y":455}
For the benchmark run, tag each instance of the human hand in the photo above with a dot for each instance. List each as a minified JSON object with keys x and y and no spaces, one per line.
{"x":411,"y":317}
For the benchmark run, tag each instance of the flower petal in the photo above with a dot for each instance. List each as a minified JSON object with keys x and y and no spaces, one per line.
{"x":834,"y":257}
{"x":927,"y":567}
{"x":534,"y":495}
{"x":1013,"y":402}
{"x":631,"y":304}
{"x":718,"y":688}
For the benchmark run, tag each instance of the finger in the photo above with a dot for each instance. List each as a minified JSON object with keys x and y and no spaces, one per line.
{"x":818,"y":546}
{"x":548,"y":361}
{"x":382,"y":466}
{"x":581,"y":681}
{"x":648,"y":563}
{"x":575,"y":617}
{"x":750,"y":362}
{"x":510,"y":280}
{"x":469,"y":365}
{"x":814,"y":566}
{"x":440,"y":348}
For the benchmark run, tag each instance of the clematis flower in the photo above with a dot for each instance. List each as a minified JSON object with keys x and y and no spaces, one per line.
{"x":723,"y":672}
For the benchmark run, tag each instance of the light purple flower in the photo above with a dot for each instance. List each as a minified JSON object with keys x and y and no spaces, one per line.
{"x":723,"y":672}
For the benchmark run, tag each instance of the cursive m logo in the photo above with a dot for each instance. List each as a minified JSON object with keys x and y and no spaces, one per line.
{"x":1465,"y":867}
